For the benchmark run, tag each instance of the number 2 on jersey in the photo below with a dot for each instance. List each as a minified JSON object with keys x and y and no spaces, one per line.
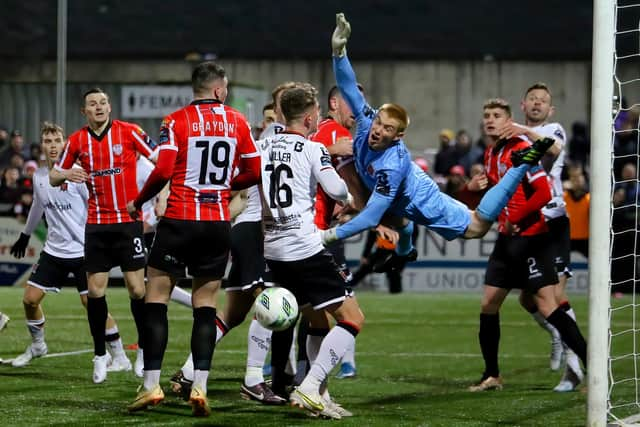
{"x":280,"y":194}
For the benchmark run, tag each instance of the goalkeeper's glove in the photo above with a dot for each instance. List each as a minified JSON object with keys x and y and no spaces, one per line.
{"x":340,"y":36}
{"x":328,"y":236}
{"x":20,"y":246}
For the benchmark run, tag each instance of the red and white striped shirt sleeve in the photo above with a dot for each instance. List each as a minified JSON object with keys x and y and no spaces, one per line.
{"x":246,"y":145}
{"x":142,"y":141}
{"x":69,"y":155}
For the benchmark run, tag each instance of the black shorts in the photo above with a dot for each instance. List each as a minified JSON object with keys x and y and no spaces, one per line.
{"x":51,"y":273}
{"x":114,"y":245}
{"x":202,"y":247}
{"x":521,"y":262}
{"x":148,"y":240}
{"x":247,"y":257}
{"x":316,"y":280}
{"x":560,"y":244}
{"x":581,"y":245}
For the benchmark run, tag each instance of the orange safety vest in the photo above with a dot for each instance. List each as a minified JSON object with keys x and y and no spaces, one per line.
{"x":578,"y":211}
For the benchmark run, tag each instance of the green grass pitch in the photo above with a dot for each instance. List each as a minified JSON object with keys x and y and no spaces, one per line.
{"x":415,"y":356}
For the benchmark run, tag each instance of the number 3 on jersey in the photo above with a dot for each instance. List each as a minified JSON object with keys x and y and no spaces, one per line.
{"x":208,"y":162}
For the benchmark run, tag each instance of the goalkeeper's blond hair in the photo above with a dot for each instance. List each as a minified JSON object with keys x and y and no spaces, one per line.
{"x":397,"y":112}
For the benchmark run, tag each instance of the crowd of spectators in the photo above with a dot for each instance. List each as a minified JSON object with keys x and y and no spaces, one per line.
{"x":625,"y":216}
{"x":18,"y":162}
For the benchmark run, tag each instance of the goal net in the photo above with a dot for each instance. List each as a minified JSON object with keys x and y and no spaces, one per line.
{"x":618,"y":384}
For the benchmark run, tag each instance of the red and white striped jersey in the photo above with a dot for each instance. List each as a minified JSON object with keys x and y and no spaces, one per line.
{"x":329,"y":131}
{"x":497,"y":160}
{"x":210,"y":138}
{"x":110,"y":161}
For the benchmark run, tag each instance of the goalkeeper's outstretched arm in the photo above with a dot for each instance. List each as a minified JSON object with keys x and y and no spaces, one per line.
{"x":345,"y":76}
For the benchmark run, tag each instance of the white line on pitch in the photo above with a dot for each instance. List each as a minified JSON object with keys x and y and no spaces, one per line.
{"x":360,"y":353}
{"x":68,"y":353}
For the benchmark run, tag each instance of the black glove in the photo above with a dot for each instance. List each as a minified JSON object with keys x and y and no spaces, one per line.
{"x":20,"y":246}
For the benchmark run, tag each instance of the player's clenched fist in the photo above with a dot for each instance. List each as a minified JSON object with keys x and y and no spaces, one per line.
{"x":340,"y":35}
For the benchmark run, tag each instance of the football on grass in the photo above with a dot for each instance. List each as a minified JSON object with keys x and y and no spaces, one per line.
{"x":276,"y":308}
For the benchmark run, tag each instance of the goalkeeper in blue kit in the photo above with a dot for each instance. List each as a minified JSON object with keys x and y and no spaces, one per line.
{"x":399,"y":187}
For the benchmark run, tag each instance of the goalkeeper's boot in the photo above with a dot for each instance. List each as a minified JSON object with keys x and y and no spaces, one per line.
{"x":398,"y":262}
{"x":199,"y":402}
{"x":146,"y":398}
{"x":533,"y":154}
{"x":395,"y":262}
{"x":382,"y":264}
{"x":487,"y":383}
{"x":181,"y":385}
{"x":309,"y":400}
{"x":4,"y":321}
{"x":34,"y":350}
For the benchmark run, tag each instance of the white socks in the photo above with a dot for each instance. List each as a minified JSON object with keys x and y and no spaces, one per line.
{"x":350,"y":355}
{"x":332,"y":349}
{"x":181,"y":296}
{"x":36,"y":329}
{"x":219,"y":331}
{"x":259,"y":342}
{"x":313,"y":346}
{"x":544,"y":324}
{"x":114,"y":346}
{"x":187,"y":368}
{"x":200,"y":379}
{"x":151,"y":379}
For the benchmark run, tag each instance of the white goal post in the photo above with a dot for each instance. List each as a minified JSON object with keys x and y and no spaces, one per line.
{"x":614,"y":246}
{"x":600,"y":211}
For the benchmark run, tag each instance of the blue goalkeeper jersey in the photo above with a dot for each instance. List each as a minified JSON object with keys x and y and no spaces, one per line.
{"x":397,"y":185}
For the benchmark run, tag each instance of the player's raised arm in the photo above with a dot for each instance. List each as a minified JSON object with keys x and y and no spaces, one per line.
{"x":345,"y":76}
